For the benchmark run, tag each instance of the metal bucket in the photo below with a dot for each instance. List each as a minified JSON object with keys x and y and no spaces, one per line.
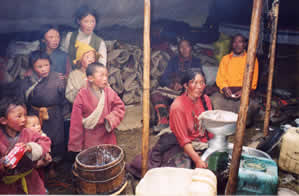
{"x":99,"y":170}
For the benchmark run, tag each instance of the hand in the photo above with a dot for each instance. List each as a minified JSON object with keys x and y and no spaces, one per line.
{"x":48,"y":157}
{"x":201,"y":164}
{"x":28,"y":148}
{"x":227,"y":92}
{"x":238,"y":94}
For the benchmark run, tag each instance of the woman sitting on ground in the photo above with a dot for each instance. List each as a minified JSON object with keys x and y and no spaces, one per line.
{"x":181,"y":147}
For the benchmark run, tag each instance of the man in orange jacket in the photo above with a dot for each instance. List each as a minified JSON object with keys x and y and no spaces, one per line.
{"x":229,"y":79}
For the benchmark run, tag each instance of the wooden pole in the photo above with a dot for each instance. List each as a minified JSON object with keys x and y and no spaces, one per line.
{"x":231,"y":186}
{"x":274,"y":12}
{"x":146,"y":84}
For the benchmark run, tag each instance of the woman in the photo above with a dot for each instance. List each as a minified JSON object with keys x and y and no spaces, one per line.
{"x":50,"y":43}
{"x":43,"y":93}
{"x":86,"y":19}
{"x":181,"y":147}
{"x":171,"y":79}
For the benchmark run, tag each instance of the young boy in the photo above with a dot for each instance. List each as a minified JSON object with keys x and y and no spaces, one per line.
{"x":97,"y":110}
{"x":33,"y":123}
{"x":23,"y":178}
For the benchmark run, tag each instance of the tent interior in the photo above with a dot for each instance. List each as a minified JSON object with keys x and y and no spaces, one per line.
{"x":199,"y":21}
{"x":204,"y":22}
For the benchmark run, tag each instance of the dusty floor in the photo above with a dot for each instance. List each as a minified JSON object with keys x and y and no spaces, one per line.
{"x":131,"y":141}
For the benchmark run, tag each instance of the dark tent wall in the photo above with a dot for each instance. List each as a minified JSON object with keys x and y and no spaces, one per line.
{"x":18,"y":15}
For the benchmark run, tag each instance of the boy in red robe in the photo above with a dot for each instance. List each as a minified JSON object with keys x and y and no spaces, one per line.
{"x":97,"y":111}
{"x":23,"y":178}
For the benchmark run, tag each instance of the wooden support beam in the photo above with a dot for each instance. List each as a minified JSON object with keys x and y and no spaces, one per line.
{"x":231,"y":186}
{"x":274,"y":12}
{"x":146,"y":84}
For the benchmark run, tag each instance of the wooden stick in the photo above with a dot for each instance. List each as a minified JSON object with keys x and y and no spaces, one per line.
{"x":231,"y":186}
{"x":146,"y":84}
{"x":275,"y":9}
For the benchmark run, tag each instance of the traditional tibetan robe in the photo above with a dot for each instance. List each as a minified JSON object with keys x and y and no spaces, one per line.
{"x":183,"y":119}
{"x":49,"y":93}
{"x":185,"y":128}
{"x":60,"y":62}
{"x":34,"y":184}
{"x":112,"y":111}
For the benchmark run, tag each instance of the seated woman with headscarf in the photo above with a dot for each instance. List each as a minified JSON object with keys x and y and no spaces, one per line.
{"x":182,"y":146}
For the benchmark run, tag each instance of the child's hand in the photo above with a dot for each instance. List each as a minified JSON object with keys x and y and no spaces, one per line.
{"x":48,"y":157}
{"x":28,"y":148}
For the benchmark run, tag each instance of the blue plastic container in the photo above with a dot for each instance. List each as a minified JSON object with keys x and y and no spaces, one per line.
{"x":257,"y":176}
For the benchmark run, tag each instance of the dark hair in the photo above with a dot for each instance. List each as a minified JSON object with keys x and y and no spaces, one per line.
{"x":91,"y":68}
{"x":190,"y":75}
{"x":38,"y":54}
{"x":5,"y":102}
{"x":43,"y":31}
{"x":239,"y":35}
{"x":184,"y":40}
{"x":84,"y":11}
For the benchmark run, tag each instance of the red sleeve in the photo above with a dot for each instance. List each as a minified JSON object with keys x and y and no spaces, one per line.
{"x":178,"y":125}
{"x":117,"y":109}
{"x":43,"y":141}
{"x":75,"y":143}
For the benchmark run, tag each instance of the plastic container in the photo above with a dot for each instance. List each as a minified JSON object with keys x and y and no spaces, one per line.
{"x":170,"y":181}
{"x":289,"y":151}
{"x":257,"y":176}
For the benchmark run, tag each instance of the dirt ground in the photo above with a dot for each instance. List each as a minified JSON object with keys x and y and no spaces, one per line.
{"x":131,"y":141}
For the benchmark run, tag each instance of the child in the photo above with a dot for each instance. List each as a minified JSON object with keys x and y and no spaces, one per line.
{"x":33,"y":123}
{"x":22,"y":179}
{"x":77,"y":79}
{"x":44,"y":93}
{"x":97,"y":110}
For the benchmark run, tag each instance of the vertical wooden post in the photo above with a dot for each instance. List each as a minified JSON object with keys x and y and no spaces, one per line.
{"x":275,"y":9}
{"x":146,"y":84}
{"x":231,"y":186}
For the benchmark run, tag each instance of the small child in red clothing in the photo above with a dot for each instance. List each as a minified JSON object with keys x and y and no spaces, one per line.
{"x":23,"y":178}
{"x":34,"y":124}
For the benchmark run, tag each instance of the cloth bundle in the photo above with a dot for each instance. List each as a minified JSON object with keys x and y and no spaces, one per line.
{"x":16,"y":68}
{"x":125,"y":64}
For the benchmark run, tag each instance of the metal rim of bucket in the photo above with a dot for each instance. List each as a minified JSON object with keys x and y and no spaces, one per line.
{"x":112,"y":163}
{"x":99,"y":181}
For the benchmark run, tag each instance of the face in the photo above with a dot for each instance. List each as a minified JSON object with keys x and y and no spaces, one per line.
{"x":185,"y":49}
{"x":42,"y":67}
{"x":15,"y":119}
{"x":196,"y":87}
{"x":52,"y":39}
{"x":87,"y":24}
{"x":88,"y":58}
{"x":33,"y":123}
{"x":100,"y":77}
{"x":238,"y":45}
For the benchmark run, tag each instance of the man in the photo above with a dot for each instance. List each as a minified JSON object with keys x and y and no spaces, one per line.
{"x":171,"y":79}
{"x":229,"y":79}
